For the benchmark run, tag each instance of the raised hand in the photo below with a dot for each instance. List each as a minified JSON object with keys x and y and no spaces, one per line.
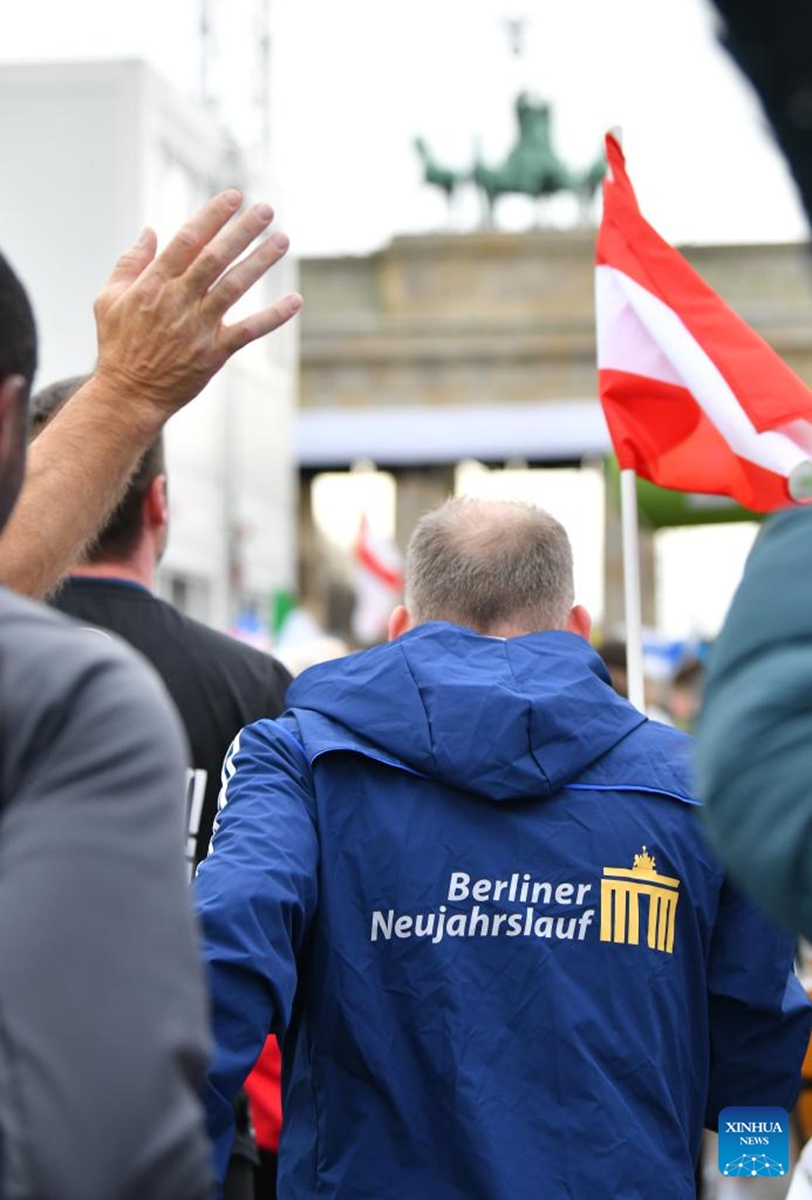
{"x":162,"y":337}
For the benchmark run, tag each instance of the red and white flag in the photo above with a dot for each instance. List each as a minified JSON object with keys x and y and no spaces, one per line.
{"x":694,"y":399}
{"x":378,"y":584}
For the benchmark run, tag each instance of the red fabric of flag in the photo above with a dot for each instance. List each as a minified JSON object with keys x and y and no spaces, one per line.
{"x":695,"y":400}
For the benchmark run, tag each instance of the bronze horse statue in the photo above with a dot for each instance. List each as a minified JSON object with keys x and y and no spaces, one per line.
{"x":532,"y":168}
{"x":442,"y":177}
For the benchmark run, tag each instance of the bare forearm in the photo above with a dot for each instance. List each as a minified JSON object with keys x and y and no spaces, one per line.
{"x":77,"y":471}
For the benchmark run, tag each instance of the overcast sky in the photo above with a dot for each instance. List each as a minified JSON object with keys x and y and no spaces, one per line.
{"x":354,"y":82}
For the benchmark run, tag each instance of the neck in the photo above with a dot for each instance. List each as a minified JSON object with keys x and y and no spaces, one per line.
{"x":136,"y":569}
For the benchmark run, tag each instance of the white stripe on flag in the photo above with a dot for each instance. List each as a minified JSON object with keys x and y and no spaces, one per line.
{"x":624,"y":343}
{"x":640,"y":335}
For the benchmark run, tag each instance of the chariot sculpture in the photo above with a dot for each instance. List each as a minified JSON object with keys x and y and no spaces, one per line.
{"x":531,"y":168}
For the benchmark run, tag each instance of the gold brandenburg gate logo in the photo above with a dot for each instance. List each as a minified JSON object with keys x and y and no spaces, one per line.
{"x":621,"y":890}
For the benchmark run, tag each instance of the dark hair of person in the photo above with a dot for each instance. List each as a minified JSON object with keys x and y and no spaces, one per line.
{"x":18,"y":331}
{"x":689,"y":675}
{"x":613,"y":653}
{"x":119,"y":536}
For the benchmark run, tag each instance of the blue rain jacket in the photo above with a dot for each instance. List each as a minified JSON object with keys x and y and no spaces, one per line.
{"x":465,"y":883}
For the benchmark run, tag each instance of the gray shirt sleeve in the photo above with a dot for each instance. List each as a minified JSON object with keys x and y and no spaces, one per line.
{"x":102,"y":1007}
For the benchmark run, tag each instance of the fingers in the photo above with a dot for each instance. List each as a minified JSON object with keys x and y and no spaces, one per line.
{"x":242,"y":332}
{"x":236,"y":282}
{"x":226,"y":247}
{"x":133,"y":261}
{"x":196,"y":234}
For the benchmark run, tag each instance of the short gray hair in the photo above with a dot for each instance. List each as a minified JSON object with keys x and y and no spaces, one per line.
{"x":490,"y":563}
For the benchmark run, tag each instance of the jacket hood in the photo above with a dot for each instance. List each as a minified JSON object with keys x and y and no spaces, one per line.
{"x":504,"y":718}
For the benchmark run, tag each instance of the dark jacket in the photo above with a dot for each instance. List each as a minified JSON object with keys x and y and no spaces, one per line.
{"x":217,"y":683}
{"x":466,"y":881}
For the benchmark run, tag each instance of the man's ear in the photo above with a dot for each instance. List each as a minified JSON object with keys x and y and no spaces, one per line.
{"x":400,"y":622}
{"x":156,"y":503}
{"x":11,"y":391}
{"x":579,"y":621}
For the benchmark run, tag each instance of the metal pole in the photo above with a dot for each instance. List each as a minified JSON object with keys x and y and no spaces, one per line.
{"x":631,"y":588}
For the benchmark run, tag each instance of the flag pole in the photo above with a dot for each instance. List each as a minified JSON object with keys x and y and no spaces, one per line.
{"x":631,"y":563}
{"x":631,"y":588}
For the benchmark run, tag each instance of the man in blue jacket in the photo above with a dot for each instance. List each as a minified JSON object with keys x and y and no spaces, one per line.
{"x":464,"y":881}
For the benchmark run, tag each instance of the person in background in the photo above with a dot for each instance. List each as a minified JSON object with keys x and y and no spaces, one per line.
{"x":613,"y":653}
{"x":102,"y":1000}
{"x":217,"y":683}
{"x":466,"y":883}
{"x":754,"y":750}
{"x":684,"y":697}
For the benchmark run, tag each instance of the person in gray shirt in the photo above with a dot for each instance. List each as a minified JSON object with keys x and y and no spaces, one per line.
{"x":103,"y":1015}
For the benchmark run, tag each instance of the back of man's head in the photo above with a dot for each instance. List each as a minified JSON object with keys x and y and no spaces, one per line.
{"x":18,"y":362}
{"x":120,"y":535}
{"x":495,"y":566}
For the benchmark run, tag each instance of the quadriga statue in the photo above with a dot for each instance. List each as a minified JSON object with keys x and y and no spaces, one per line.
{"x":532,"y":168}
